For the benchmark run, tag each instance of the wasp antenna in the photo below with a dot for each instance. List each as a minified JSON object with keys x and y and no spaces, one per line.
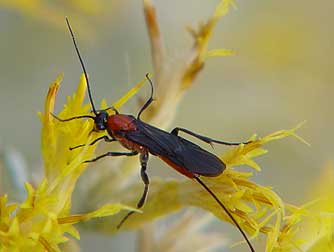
{"x":72,"y":118}
{"x":150,"y":100}
{"x":226,"y":210}
{"x":151,"y":84}
{"x":82,"y":65}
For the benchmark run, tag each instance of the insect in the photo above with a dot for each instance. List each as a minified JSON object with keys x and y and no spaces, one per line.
{"x":143,"y":139}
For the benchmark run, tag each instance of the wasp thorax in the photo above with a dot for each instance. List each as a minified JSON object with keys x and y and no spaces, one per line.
{"x":121,"y":122}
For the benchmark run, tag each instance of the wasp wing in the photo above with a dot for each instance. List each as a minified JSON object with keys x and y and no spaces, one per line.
{"x":178,"y":150}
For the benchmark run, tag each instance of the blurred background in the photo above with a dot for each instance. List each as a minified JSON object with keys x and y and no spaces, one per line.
{"x":280,"y":76}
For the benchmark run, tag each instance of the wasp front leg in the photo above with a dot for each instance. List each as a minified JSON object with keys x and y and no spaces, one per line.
{"x":105,"y":138}
{"x":112,"y":154}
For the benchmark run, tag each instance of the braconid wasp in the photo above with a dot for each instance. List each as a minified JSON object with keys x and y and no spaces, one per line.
{"x":143,"y":139}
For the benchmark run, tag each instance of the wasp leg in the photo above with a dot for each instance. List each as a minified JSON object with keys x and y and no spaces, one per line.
{"x":208,"y":140}
{"x":144,"y":177}
{"x":112,"y":154}
{"x":105,"y":138}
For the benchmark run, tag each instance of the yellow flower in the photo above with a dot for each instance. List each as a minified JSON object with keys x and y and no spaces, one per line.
{"x":310,"y":228}
{"x":42,"y":220}
{"x":325,"y":212}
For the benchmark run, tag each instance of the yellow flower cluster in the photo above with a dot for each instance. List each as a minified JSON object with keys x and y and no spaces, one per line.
{"x":42,"y":220}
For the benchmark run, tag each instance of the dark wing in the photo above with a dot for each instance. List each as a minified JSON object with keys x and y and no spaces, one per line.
{"x":180,"y":151}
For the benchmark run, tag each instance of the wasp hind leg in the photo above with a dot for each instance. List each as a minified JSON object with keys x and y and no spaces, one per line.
{"x":208,"y":140}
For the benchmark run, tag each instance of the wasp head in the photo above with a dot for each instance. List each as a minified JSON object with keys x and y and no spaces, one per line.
{"x":101,"y":120}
